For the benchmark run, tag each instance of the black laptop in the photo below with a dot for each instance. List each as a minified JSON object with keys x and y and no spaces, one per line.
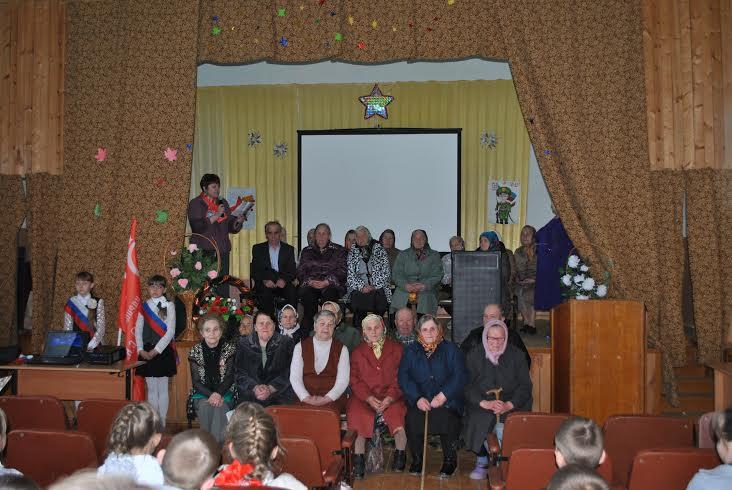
{"x":63,"y":348}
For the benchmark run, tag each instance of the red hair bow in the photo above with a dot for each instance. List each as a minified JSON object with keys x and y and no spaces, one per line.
{"x":234,"y":476}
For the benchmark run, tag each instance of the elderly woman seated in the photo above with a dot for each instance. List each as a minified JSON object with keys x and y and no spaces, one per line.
{"x":417,"y":274}
{"x":344,"y":332}
{"x":376,"y":394}
{"x":320,"y":366}
{"x":490,"y":242}
{"x":288,"y":323}
{"x":212,"y":375}
{"x":432,"y":376}
{"x":367,"y":276}
{"x":494,"y":364}
{"x":263,"y":364}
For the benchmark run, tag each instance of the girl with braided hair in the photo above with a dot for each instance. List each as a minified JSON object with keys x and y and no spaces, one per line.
{"x":134,"y":435}
{"x":252,"y":441}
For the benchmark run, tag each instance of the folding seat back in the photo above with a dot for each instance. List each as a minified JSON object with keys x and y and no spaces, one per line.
{"x":321,"y":425}
{"x":34,"y":412}
{"x":530,"y":469}
{"x":46,"y":456}
{"x":302,"y":460}
{"x":705,"y":432}
{"x":626,"y":435}
{"x":530,"y":430}
{"x":95,"y":417}
{"x":669,"y":469}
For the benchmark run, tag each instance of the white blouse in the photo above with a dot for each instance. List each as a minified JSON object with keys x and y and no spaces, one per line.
{"x":169,"y":322}
{"x":322,"y":352}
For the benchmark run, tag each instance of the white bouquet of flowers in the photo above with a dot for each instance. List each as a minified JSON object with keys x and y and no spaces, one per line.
{"x":577,"y":282}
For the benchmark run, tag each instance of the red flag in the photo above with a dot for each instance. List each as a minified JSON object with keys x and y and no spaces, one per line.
{"x":129,"y":308}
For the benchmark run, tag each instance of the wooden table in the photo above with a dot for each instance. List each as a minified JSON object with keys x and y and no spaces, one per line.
{"x":722,"y":385}
{"x":75,"y":382}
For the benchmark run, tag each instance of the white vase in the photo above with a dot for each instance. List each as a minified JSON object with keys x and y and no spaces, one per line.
{"x":581,"y":296}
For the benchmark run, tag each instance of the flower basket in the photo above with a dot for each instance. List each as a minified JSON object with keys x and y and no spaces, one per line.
{"x":189,"y":268}
{"x":207,"y":301}
{"x":577,"y":283}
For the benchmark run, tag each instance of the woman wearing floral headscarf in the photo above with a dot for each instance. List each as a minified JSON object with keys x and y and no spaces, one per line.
{"x":495,"y":364}
{"x":376,"y":393}
{"x":289,"y":327}
{"x":432,"y":376}
{"x":490,"y":242}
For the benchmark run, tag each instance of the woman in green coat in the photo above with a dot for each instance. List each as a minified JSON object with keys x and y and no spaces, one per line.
{"x":417,"y":271}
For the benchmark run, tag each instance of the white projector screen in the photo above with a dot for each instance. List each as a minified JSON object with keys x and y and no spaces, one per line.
{"x":401,"y":179}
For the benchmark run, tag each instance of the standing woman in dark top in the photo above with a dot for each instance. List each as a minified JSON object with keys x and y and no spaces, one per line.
{"x":212,"y":376}
{"x":388,"y":241}
{"x":210,"y":216}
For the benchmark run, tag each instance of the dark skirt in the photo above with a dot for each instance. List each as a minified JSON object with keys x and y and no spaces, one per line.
{"x":442,"y":421}
{"x":162,"y":365}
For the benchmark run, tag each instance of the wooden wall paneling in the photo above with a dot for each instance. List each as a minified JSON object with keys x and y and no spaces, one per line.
{"x":39,"y":106}
{"x":725,"y":15}
{"x":541,"y":379}
{"x":7,"y":71}
{"x":180,"y":385}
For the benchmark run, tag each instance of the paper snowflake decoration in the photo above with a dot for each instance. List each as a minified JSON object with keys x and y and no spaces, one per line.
{"x":170,"y":154}
{"x":488,"y":140}
{"x":280,"y":150}
{"x":254,"y":138}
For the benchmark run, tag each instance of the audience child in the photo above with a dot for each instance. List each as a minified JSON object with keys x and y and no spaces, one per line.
{"x":85,"y":312}
{"x":289,"y":326}
{"x":16,"y":481}
{"x":90,"y":480}
{"x":577,"y":477}
{"x":154,"y":332}
{"x":3,"y":441}
{"x":253,"y":446}
{"x":190,"y":460}
{"x":579,"y":441}
{"x":134,"y":435}
{"x":721,"y":476}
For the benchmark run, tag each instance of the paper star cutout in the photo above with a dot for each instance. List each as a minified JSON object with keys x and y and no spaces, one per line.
{"x":97,"y":210}
{"x":338,"y":36}
{"x":170,"y":154}
{"x":302,"y":7}
{"x":161,"y":215}
{"x":350,"y":19}
{"x":281,"y":12}
{"x":375,"y":103}
{"x":317,"y":21}
{"x":393,"y":28}
{"x":101,"y":154}
{"x":547,"y":152}
{"x":215,"y":18}
{"x":284,"y":41}
{"x":216,"y":31}
{"x":361,"y":45}
{"x":374,"y":24}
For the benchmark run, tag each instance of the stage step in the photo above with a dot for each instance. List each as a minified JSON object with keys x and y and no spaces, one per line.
{"x":693,"y":405}
{"x":692,"y":370}
{"x":696,"y":386}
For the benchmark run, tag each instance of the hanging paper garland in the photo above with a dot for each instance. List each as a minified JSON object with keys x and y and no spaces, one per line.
{"x":375,"y":103}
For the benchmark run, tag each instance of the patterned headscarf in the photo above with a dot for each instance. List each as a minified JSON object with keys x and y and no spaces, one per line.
{"x":493,"y":239}
{"x":288,"y":331}
{"x":338,"y":313}
{"x":377,"y":346}
{"x":494,"y":356}
{"x":429,"y":347}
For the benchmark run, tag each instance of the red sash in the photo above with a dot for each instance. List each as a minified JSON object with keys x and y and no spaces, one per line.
{"x":158,"y":325}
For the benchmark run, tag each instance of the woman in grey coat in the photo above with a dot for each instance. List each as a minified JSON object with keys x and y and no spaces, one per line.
{"x":417,"y":272}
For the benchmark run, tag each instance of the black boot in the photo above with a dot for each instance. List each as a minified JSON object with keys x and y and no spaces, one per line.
{"x":416,"y":467}
{"x":531,"y":329}
{"x":400,"y":460}
{"x":449,"y":460}
{"x":359,"y":466}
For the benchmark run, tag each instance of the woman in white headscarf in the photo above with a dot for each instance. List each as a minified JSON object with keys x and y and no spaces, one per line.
{"x":497,"y":365}
{"x":289,"y":327}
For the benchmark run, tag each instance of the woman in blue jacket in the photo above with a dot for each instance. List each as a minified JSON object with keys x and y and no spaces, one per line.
{"x":432,"y":376}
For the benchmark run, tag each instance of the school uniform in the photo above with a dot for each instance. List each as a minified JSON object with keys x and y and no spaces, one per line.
{"x":78,"y":317}
{"x":154,"y":332}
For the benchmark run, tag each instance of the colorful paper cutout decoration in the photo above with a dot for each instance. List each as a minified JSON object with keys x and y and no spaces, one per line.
{"x":281,"y":12}
{"x":280,"y":150}
{"x":161,"y":216}
{"x":160,"y":182}
{"x":374,"y":24}
{"x":215,"y":18}
{"x":547,"y":152}
{"x":216,"y":30}
{"x":170,"y":154}
{"x":189,"y":146}
{"x":321,"y":2}
{"x":254,"y":138}
{"x":375,"y":103}
{"x":97,"y":211}
{"x":361,"y":45}
{"x":488,"y":140}
{"x":451,"y":2}
{"x":338,"y":36}
{"x":350,"y":19}
{"x":283,"y":41}
{"x":101,"y":154}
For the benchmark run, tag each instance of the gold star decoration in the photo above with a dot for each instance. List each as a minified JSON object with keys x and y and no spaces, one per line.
{"x":375,"y":103}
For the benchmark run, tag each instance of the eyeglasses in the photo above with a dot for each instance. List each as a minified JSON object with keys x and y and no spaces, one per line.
{"x":495,"y":339}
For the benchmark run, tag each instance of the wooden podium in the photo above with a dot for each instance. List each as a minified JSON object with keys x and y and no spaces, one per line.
{"x":598,"y":358}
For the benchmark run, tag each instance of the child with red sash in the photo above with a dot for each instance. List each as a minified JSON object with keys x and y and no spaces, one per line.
{"x":84,"y":312}
{"x":154,"y":332}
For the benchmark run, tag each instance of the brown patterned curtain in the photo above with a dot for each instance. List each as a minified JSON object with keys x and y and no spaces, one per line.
{"x":11,"y":219}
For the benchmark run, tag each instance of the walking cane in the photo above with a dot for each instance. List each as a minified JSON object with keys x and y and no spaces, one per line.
{"x":497,"y":393}
{"x":424,"y":449}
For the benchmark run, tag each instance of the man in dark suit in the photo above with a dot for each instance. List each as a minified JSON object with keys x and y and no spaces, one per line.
{"x":273,"y":269}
